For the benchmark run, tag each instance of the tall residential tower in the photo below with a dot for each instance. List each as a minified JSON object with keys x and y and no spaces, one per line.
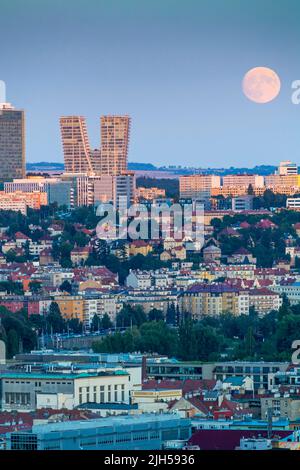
{"x":110,"y":160}
{"x":76,"y":147}
{"x":114,"y":144}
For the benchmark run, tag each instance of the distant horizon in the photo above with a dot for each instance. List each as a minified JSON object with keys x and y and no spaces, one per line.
{"x":43,"y":162}
{"x":54,"y":162}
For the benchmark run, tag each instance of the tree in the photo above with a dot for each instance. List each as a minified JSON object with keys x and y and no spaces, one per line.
{"x":74,"y":325}
{"x":187,"y":339}
{"x":249,"y":342}
{"x":35,"y":287}
{"x":155,"y":315}
{"x":171,"y":314}
{"x":284,"y":310}
{"x":106,"y":322}
{"x":96,"y":322}
{"x":130,"y":316}
{"x":157,"y":337}
{"x":250,"y":190}
{"x":66,"y":286}
{"x":12,"y":343}
{"x":54,"y":318}
{"x":65,"y":251}
{"x":38,"y":322}
{"x":101,"y":249}
{"x":288,"y":330}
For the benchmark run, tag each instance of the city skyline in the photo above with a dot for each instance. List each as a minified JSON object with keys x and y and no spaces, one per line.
{"x":181,"y":82}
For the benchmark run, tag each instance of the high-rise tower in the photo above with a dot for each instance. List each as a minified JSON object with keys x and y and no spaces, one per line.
{"x":114,"y":144}
{"x":12,"y":142}
{"x":76,"y":147}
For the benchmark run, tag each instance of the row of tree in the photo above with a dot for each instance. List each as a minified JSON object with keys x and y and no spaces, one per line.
{"x":247,"y":337}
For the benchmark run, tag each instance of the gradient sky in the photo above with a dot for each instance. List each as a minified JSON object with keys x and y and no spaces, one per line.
{"x":175,"y":66}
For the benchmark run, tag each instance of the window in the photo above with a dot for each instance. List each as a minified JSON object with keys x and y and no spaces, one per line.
{"x":102,"y":399}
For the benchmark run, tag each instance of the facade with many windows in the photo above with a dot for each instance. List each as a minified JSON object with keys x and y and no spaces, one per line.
{"x":139,"y":432}
{"x":27,"y":391}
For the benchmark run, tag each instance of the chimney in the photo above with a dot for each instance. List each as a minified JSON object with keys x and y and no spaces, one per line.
{"x":144,"y":369}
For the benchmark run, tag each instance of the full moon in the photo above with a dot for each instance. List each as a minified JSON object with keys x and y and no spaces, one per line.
{"x":261,"y":85}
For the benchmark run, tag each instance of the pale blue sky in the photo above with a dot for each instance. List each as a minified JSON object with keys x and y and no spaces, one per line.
{"x":175,"y":66}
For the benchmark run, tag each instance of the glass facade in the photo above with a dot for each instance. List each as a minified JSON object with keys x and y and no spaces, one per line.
{"x":12,"y":144}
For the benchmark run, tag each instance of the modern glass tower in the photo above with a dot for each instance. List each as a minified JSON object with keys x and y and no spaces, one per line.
{"x":12,"y":142}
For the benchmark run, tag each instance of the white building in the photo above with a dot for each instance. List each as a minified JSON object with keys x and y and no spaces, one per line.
{"x":287,"y":168}
{"x":293,"y":203}
{"x":138,"y":280}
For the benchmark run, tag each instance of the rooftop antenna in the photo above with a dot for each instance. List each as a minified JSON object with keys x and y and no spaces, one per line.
{"x":2,"y":92}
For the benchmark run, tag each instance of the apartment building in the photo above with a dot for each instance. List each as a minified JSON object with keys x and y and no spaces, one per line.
{"x":76,"y":147}
{"x":139,"y":280}
{"x":282,"y":406}
{"x":114,"y":144}
{"x":19,"y":201}
{"x":195,"y":186}
{"x":101,"y":304}
{"x":264,"y":300}
{"x":256,"y":181}
{"x":291,"y":290}
{"x":213,"y":299}
{"x":150,"y":193}
{"x":71,"y":306}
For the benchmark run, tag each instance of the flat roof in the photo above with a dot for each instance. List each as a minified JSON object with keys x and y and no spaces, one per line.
{"x":111,"y":421}
{"x":66,"y":376}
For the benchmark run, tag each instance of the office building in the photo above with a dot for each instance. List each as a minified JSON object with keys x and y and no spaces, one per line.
{"x":12,"y":142}
{"x":139,"y":432}
{"x":124,"y":190}
{"x":258,"y":371}
{"x":29,"y":391}
{"x":242,"y":203}
{"x":94,"y":189}
{"x":57,"y":190}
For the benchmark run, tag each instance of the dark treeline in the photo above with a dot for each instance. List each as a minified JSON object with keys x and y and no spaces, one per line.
{"x":211,"y":338}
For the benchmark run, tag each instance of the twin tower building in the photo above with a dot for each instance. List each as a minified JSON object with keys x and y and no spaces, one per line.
{"x":110,"y":159}
{"x":101,"y":175}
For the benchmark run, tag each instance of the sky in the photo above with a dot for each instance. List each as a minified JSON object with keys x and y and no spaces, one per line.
{"x":175,"y":66}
